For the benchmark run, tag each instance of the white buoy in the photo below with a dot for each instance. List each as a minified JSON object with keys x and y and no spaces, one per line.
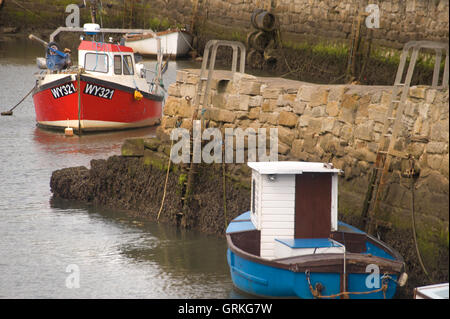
{"x":68,"y":131}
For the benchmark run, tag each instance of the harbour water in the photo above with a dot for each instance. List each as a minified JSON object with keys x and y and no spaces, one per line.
{"x":44,"y":243}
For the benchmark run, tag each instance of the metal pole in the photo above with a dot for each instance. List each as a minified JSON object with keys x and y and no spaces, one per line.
{"x":79,"y":101}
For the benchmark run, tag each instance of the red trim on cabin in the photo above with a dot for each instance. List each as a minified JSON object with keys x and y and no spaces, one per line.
{"x":103,"y":47}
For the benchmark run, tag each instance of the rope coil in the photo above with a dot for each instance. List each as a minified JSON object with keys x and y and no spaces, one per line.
{"x":316,"y":292}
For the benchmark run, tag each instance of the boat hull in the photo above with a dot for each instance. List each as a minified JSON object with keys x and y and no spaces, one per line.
{"x":174,"y":44}
{"x":268,"y":281}
{"x":103,"y":105}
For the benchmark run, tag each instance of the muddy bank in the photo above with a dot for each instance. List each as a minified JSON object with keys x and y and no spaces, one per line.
{"x":136,"y":184}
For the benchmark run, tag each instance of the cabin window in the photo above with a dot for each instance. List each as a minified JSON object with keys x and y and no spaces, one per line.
{"x":118,"y":64}
{"x":96,"y":62}
{"x":128,"y":65}
{"x":253,"y":197}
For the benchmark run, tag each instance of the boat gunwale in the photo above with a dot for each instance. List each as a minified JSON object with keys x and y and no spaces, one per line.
{"x":91,"y":79}
{"x":140,"y":37}
{"x":356,"y":262}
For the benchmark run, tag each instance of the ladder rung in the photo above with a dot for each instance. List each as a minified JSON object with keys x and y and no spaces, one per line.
{"x":388,"y":134}
{"x":396,"y":101}
{"x":399,"y":84}
{"x":391,"y":118}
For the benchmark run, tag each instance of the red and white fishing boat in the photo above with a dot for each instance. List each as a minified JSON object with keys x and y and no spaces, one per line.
{"x":107,"y":90}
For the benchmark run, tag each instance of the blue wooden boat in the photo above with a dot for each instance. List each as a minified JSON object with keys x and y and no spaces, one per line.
{"x":290,"y":244}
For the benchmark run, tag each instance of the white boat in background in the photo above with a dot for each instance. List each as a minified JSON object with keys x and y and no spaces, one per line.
{"x":174,"y":43}
{"x":439,"y":291}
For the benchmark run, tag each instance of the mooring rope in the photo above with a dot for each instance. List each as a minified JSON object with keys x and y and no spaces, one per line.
{"x":165,"y":184}
{"x":316,"y":291}
{"x":23,"y":99}
{"x":419,"y":256}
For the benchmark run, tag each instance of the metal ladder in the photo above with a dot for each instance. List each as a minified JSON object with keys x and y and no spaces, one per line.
{"x":393,"y":123}
{"x":213,"y":45}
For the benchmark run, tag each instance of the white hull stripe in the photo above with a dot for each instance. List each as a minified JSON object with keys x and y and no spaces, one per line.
{"x":92,"y":125}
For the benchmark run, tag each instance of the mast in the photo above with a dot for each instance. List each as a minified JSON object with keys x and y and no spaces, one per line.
{"x":93,"y":11}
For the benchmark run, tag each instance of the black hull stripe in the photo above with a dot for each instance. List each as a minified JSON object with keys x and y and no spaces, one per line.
{"x":85,"y":78}
{"x":120,"y":87}
{"x":49,"y":85}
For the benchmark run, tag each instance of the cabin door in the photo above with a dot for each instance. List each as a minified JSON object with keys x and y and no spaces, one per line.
{"x":312,"y":205}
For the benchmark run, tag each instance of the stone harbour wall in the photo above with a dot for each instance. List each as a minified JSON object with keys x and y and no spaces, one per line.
{"x":340,"y":124}
{"x":400,"y":21}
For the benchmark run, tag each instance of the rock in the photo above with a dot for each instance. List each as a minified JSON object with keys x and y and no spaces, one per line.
{"x":174,"y":90}
{"x":151,"y":143}
{"x":437,"y":148}
{"x":332,"y":108}
{"x":285,"y":135}
{"x":269,"y":105}
{"x":287,"y":119}
{"x":417,"y":92}
{"x":299,"y":107}
{"x":254,"y":113}
{"x":270,"y":93}
{"x":297,"y":148}
{"x":255,"y":101}
{"x":250,"y":87}
{"x":133,"y":147}
{"x":271,"y":118}
{"x":364,"y":131}
{"x":350,"y":101}
{"x":220,"y":115}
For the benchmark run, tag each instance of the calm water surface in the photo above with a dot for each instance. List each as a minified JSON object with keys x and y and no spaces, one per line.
{"x":117,"y":256}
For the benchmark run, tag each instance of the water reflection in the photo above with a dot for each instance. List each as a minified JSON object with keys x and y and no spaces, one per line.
{"x":91,"y":143}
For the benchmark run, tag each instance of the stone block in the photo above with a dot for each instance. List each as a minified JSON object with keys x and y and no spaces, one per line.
{"x":437,"y":147}
{"x":270,"y":93}
{"x":151,"y":143}
{"x":377,"y":112}
{"x":332,"y":108}
{"x":315,"y":125}
{"x":364,"y":131}
{"x":270,"y":118}
{"x":168,"y":122}
{"x":287,"y":119}
{"x":417,"y":92}
{"x":170,"y":106}
{"x":299,"y":107}
{"x":255,"y":101}
{"x":297,"y":148}
{"x":328,"y":124}
{"x":319,"y":97}
{"x":283,"y":148}
{"x":285,"y":135}
{"x":254,"y":113}
{"x":188,"y":90}
{"x":350,"y":101}
{"x":174,"y":90}
{"x":335,"y":93}
{"x":250,"y":87}
{"x":133,"y":147}
{"x":318,"y":111}
{"x":346,"y":133}
{"x":286,"y":99}
{"x":305,"y":93}
{"x":269,"y":105}
{"x":303,"y":121}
